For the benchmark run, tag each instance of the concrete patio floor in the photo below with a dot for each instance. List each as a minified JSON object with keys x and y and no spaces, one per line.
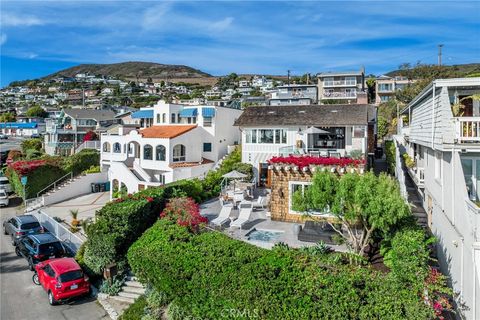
{"x":260,"y":221}
{"x":86,"y":205}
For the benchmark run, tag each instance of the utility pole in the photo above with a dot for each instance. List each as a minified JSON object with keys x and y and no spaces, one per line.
{"x":440,"y":54}
{"x":288,"y":78}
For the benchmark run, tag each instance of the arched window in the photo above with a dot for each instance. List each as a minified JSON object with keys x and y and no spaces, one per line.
{"x":106,"y":147}
{"x":147,"y":152}
{"x":173,"y":118}
{"x":164,"y":118}
{"x":179,"y":153}
{"x":117,"y":147}
{"x":158,"y":117}
{"x":160,"y":153}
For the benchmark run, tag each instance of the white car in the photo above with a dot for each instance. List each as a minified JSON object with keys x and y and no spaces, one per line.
{"x":5,"y":184}
{"x":3,"y":198}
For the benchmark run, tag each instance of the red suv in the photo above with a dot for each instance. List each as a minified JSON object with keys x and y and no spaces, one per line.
{"x":62,"y":278}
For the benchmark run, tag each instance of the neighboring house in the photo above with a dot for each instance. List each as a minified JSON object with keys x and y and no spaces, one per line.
{"x":386,"y":86}
{"x":65,"y":133}
{"x":21,"y":129}
{"x":446,"y":150}
{"x":320,"y":130}
{"x":340,"y":86}
{"x":294,"y":94}
{"x":183,"y":142}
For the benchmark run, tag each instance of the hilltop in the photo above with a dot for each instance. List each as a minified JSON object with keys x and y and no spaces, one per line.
{"x":453,"y":71}
{"x":133,"y":70}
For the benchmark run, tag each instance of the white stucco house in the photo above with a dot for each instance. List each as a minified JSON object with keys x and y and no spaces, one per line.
{"x":183,"y":142}
{"x":318,"y":130}
{"x":446,"y":149}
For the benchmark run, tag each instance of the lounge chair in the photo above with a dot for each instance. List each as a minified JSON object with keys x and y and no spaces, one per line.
{"x":246,"y":209}
{"x":261,"y":202}
{"x":224,"y":215}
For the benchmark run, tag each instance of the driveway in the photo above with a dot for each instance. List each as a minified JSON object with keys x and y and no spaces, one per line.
{"x":21,"y":299}
{"x":86,"y":205}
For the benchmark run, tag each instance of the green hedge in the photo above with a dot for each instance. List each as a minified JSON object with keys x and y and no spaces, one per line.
{"x":81,"y":161}
{"x":37,"y":179}
{"x":136,"y":310}
{"x":390,"y":155}
{"x":210,"y":275}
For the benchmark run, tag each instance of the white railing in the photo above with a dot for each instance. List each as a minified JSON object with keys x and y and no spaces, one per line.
{"x":53,"y":185}
{"x":88,"y":145}
{"x":339,"y":94}
{"x":330,"y":83}
{"x":399,"y":173}
{"x":61,"y":232}
{"x":467,"y":129}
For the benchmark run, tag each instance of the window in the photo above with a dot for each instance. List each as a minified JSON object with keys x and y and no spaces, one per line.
{"x":207,"y":147}
{"x":106,"y":147}
{"x":296,"y":186}
{"x":147,"y":152}
{"x":251,"y":136}
{"x":351,"y":81}
{"x":173,"y":118}
{"x":471,"y":172}
{"x":280,"y":136}
{"x":179,"y":153}
{"x":158,"y":117}
{"x":385,"y":98}
{"x":49,"y":271}
{"x":207,"y":121}
{"x":438,"y":166}
{"x":117,"y":148}
{"x":328,"y":82}
{"x":266,"y":136}
{"x":164,"y":118}
{"x":71,"y":275}
{"x":160,"y":153}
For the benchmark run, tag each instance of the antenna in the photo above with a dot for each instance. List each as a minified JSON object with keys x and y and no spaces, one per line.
{"x":440,"y":54}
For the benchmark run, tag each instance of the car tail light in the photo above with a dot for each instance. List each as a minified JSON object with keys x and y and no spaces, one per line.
{"x":19,"y":233}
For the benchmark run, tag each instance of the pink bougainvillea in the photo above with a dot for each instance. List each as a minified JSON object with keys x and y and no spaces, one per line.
{"x":185,"y":212}
{"x":305,"y":161}
{"x":90,"y":136}
{"x":23,"y":168}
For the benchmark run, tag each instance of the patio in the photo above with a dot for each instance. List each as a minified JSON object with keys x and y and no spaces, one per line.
{"x":259,"y":221}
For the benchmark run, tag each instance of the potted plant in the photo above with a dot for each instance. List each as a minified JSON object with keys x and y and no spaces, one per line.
{"x":74,"y":214}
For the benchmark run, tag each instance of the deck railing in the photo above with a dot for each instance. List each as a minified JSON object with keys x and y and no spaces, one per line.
{"x":467,"y":129}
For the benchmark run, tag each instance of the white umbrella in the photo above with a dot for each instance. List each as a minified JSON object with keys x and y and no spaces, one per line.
{"x":234,"y":175}
{"x":313,"y":130}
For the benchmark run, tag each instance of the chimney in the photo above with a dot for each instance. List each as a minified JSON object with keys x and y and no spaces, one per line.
{"x":362,"y":98}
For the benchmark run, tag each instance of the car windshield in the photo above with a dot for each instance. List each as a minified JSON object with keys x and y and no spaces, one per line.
{"x":71,"y":275}
{"x":50,"y":248}
{"x":3,"y":181}
{"x":30,"y":225}
{"x":3,"y":193}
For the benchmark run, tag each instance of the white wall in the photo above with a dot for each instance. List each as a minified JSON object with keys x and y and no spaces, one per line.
{"x":80,"y":186}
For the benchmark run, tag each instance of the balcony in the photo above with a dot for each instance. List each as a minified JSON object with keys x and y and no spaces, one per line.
{"x":418,"y":176}
{"x":467,"y":129}
{"x":339,"y":95}
{"x":340,"y":83}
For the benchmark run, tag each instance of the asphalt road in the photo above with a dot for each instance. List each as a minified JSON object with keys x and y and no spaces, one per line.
{"x":11,"y":143}
{"x":20,"y":299}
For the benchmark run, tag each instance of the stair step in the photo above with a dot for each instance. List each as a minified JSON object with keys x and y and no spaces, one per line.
{"x":132,"y":278}
{"x":133,"y":290}
{"x":129,"y":294}
{"x":133,"y":283}
{"x":123,"y":299}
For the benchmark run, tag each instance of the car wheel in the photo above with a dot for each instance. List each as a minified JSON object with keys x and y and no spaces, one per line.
{"x":51,"y":299}
{"x":5,"y":231}
{"x":30,"y":264}
{"x":35,"y":279}
{"x":12,"y":240}
{"x":17,"y":252}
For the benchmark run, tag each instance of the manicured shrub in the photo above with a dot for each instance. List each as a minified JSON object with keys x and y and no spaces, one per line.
{"x":390,"y":156}
{"x":28,"y":144}
{"x":208,"y":275}
{"x":136,"y":310}
{"x":81,"y":161}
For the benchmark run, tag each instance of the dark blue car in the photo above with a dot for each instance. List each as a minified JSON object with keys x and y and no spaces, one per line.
{"x":40,"y":247}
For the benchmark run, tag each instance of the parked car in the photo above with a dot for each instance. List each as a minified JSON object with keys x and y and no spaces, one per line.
{"x":35,"y":135}
{"x":62,"y":278}
{"x":3,"y":136}
{"x":39,"y":247}
{"x":5,"y":184}
{"x":3,"y":198}
{"x":21,"y":226}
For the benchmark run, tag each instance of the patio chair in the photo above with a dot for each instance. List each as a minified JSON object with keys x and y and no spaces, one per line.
{"x":315,"y":153}
{"x":324,"y":153}
{"x":261,"y":202}
{"x":246,"y":209}
{"x":224,"y":215}
{"x":335,"y":154}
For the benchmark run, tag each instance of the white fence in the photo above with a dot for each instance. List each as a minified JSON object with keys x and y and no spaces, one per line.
{"x":59,"y":231}
{"x":399,"y":173}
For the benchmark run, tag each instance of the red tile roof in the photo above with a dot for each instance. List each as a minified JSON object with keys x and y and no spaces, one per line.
{"x":189,"y":164}
{"x":167,"y":132}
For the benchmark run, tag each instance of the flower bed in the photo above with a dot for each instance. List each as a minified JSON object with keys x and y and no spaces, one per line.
{"x":306,"y":161}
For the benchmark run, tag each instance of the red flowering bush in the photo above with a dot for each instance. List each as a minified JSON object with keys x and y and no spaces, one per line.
{"x":90,"y":136}
{"x":306,"y":161}
{"x":437,"y":294}
{"x":23,"y":168}
{"x":185,"y":212}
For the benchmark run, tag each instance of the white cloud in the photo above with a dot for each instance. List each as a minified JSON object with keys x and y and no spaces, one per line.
{"x":222,"y":24}
{"x":10,"y":19}
{"x":3,"y":38}
{"x":155,"y":16}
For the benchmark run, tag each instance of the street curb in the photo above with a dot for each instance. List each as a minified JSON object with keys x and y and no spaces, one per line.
{"x":102,"y":299}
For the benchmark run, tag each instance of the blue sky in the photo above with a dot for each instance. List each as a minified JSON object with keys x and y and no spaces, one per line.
{"x":40,"y":37}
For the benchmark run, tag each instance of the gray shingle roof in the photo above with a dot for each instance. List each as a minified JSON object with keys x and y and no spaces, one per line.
{"x":310,"y":115}
{"x":99,"y":115}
